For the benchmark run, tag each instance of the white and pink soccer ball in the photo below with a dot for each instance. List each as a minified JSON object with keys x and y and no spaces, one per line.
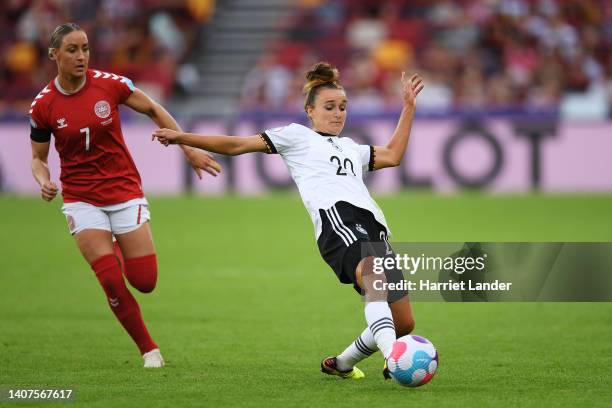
{"x":413,"y":361}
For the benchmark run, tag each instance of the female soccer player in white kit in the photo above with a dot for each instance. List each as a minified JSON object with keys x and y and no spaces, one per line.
{"x":328,"y":172}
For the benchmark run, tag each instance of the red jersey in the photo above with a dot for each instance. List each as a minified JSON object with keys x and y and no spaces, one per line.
{"x":96,"y":166}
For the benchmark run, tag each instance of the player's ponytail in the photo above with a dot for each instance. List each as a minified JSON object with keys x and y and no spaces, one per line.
{"x":321,"y":75}
{"x":58,"y":35}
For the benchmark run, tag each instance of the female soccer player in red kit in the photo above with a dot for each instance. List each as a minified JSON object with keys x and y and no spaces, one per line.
{"x":101,"y":186}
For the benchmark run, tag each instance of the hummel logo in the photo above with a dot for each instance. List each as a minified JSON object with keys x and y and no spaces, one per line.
{"x":61,"y":123}
{"x":114,"y":302}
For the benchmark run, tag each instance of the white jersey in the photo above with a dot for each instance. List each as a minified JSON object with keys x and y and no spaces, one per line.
{"x":326,"y":169}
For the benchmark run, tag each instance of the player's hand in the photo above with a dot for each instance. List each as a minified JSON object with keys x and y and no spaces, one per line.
{"x":48,"y":190}
{"x":201,"y":160}
{"x":166,"y":136}
{"x":411,"y":88}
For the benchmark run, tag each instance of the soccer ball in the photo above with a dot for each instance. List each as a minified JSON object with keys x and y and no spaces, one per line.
{"x":413,"y":361}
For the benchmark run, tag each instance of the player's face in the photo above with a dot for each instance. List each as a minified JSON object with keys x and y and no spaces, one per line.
{"x":329,"y":111}
{"x":73,"y":54}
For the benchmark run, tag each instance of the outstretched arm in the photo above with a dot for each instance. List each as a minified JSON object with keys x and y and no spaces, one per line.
{"x":40,"y":170}
{"x":392,"y":154}
{"x":140,"y":102}
{"x":228,"y":145}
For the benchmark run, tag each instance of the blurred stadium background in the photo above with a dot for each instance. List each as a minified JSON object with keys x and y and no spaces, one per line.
{"x":518,"y":96}
{"x":517,"y":108}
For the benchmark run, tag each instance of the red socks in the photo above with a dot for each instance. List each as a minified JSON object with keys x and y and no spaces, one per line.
{"x":122,"y":302}
{"x":141,"y":272}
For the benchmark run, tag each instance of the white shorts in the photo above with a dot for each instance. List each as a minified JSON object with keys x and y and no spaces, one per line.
{"x":118,"y":218}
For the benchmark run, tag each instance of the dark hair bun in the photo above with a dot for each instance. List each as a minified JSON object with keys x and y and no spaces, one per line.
{"x":321,"y":73}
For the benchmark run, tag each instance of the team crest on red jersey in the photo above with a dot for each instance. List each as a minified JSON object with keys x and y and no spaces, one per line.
{"x":102,"y":109}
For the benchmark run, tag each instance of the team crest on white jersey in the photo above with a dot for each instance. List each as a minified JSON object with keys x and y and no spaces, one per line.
{"x":330,"y":140}
{"x":61,"y":123}
{"x":102,"y":109}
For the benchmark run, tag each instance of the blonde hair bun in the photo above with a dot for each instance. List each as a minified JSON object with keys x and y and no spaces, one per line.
{"x":321,"y":73}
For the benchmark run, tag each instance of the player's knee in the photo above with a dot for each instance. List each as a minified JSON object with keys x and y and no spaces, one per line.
{"x":141,"y":272}
{"x":373,"y":283}
{"x":404,"y":327}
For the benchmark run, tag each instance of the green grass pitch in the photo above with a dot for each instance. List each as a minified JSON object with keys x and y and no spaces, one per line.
{"x":245,"y":309}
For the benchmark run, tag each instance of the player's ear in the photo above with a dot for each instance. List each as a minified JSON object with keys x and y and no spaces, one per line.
{"x":309,"y":110}
{"x":52,"y":53}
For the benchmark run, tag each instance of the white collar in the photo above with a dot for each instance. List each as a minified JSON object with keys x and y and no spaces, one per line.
{"x":65,"y":92}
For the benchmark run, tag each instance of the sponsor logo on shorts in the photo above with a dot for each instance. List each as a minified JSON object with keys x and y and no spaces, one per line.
{"x":359,"y":228}
{"x":102,"y":109}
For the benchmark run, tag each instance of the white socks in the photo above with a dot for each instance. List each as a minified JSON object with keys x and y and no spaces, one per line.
{"x":380,"y":334}
{"x":364,"y":346}
{"x":380,"y":322}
